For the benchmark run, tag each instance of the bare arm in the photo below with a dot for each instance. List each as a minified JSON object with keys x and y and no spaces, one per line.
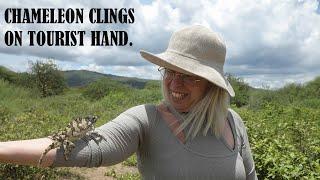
{"x":26,"y":152}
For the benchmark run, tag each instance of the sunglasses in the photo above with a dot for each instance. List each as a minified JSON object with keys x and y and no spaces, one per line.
{"x":168,"y":75}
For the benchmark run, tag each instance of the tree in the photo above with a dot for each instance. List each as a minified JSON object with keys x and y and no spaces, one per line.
{"x":48,"y":79}
{"x":241,"y":90}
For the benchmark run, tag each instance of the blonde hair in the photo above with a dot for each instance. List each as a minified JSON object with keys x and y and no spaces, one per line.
{"x":210,"y":113}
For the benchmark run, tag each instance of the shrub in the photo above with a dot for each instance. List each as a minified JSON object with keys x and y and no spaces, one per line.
{"x":102,"y":87}
{"x":25,"y":80}
{"x":284,"y":142}
{"x":153,"y":85}
{"x":241,"y":90}
{"x":6,"y":74}
{"x":48,"y":79}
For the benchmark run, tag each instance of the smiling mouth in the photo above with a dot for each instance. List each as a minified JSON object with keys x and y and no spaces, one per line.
{"x":177,"y":95}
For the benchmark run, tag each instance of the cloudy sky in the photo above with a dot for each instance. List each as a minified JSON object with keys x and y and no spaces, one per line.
{"x":269,"y":42}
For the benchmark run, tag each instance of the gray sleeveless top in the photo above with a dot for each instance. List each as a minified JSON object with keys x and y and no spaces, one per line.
{"x":160,"y":154}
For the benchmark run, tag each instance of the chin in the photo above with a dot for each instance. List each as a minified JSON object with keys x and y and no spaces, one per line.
{"x":179,"y":108}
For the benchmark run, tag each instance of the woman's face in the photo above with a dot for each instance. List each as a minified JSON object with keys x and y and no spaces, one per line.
{"x":183,"y":93}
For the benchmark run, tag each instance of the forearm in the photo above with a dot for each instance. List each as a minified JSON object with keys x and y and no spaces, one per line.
{"x":110,"y":144}
{"x":26,"y":152}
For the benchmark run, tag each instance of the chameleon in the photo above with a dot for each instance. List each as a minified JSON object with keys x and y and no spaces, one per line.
{"x":76,"y":129}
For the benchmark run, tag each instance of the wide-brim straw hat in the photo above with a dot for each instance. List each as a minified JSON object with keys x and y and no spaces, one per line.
{"x":195,"y":50}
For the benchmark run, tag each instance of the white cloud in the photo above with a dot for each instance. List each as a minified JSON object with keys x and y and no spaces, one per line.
{"x":144,"y":72}
{"x":268,"y":81}
{"x":93,"y":67}
{"x":274,"y":41}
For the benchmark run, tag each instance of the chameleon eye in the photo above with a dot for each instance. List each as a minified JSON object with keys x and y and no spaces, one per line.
{"x":93,"y":119}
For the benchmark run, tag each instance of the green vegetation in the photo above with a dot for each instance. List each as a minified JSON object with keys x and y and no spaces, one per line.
{"x":126,"y":176}
{"x":24,"y":115}
{"x":81,"y":78}
{"x":7,"y":74}
{"x":102,"y":87}
{"x":241,"y":89}
{"x":284,"y":128}
{"x":131,"y":161}
{"x":284,"y":140}
{"x":19,"y":79}
{"x":283,"y":125}
{"x":44,"y":78}
{"x":47,"y":78}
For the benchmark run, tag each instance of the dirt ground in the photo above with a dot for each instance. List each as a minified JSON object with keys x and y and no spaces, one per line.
{"x":99,"y":173}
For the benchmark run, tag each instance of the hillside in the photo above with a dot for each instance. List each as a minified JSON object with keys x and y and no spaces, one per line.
{"x":80,"y":78}
{"x":76,"y":78}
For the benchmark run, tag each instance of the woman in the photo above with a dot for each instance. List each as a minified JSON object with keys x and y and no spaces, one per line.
{"x":191,"y":135}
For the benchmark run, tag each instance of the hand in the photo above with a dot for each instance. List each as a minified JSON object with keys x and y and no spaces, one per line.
{"x":26,"y":152}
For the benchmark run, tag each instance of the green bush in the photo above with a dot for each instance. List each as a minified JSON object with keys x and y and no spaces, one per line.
{"x":241,"y":90}
{"x":284,"y":136}
{"x":25,"y":80}
{"x":13,"y":172}
{"x":259,"y":98}
{"x":4,"y":114}
{"x":6,"y":74}
{"x":131,"y":161}
{"x":48,"y":79}
{"x":284,"y":140}
{"x":102,"y":87}
{"x":21,"y":79}
{"x":126,"y":176}
{"x":298,"y":94}
{"x":153,"y":85}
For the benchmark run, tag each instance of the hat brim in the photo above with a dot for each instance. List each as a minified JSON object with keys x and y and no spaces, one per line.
{"x":188,"y":65}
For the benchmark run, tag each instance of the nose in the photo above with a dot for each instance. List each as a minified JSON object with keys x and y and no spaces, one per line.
{"x":176,"y":81}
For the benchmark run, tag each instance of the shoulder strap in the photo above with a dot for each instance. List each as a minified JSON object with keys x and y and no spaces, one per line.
{"x":171,"y":120}
{"x":239,"y":134}
{"x":151,"y":110}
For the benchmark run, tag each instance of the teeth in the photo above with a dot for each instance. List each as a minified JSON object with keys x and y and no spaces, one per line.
{"x":178,"y":95}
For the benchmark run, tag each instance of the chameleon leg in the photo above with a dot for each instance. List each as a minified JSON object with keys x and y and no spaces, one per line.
{"x":96,"y":136}
{"x":67,"y":146}
{"x":51,"y":146}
